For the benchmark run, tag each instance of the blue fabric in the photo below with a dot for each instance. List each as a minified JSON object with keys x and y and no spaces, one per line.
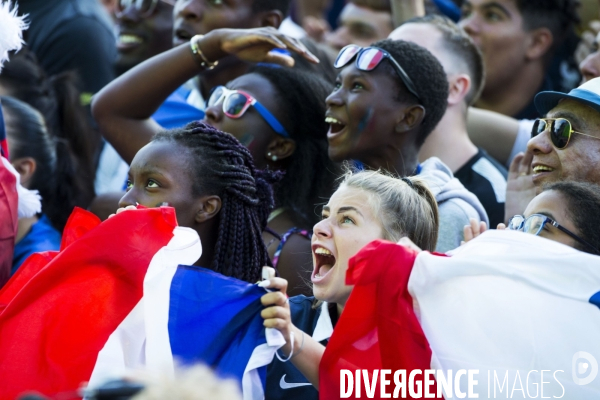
{"x":3,"y":142}
{"x":449,"y":9}
{"x":41,"y":237}
{"x":284,"y":381}
{"x":175,"y":112}
{"x":595,"y":299}
{"x":231,"y":307}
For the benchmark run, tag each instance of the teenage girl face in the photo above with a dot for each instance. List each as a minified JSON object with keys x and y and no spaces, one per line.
{"x":160,"y":173}
{"x":250,"y":129}
{"x":554,"y":205}
{"x":349,"y":223}
{"x":362,"y":111}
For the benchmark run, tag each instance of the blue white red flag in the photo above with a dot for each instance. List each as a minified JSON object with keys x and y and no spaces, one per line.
{"x":520,"y":310}
{"x":118,"y":297}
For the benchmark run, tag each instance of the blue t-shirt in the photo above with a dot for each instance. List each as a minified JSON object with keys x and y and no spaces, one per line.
{"x":175,"y":112}
{"x":41,"y":237}
{"x":284,"y":381}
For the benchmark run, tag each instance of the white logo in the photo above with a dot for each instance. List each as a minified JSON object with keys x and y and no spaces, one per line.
{"x":582,"y":361}
{"x":285,"y":385}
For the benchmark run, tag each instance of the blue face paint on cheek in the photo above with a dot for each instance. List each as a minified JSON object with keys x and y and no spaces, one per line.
{"x":364,"y":121}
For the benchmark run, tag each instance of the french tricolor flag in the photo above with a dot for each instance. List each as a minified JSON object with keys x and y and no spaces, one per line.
{"x":120,"y":296}
{"x":520,"y":309}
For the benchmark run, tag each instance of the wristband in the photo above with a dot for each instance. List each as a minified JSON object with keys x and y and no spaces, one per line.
{"x":198,"y":55}
{"x":301,"y":347}
{"x":289,"y":357}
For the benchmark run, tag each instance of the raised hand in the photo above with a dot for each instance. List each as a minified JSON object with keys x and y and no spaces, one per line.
{"x":254,"y":45}
{"x":277,"y":309}
{"x":520,"y":189}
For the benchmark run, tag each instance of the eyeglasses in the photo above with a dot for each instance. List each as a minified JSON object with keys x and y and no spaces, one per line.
{"x":145,"y":8}
{"x":369,"y":58}
{"x":535,"y":223}
{"x":560,"y":131}
{"x":236,"y":102}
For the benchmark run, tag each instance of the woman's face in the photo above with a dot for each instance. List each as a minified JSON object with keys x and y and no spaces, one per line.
{"x":250,"y":129}
{"x":349,"y":223}
{"x":553,"y":204}
{"x":362,"y":111}
{"x":160,"y":173}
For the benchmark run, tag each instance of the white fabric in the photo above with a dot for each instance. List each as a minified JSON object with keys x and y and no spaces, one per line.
{"x":262,"y":355}
{"x":11,"y":27}
{"x":523,"y":136}
{"x":112,"y":171}
{"x":133,"y":345}
{"x":511,"y":302}
{"x":324,"y":328}
{"x":292,"y":29}
{"x":30,"y":202}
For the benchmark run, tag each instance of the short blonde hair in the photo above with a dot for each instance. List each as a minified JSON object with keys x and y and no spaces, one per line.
{"x":405,"y":206}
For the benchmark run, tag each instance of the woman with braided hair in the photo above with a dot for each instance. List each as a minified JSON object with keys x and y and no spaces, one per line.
{"x":277,"y":113}
{"x":210,"y":180}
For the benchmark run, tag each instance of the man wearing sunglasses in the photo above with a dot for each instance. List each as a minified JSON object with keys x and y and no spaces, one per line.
{"x":565,"y":146}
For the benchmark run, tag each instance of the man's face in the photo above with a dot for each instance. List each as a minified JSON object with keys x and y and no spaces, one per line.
{"x":580,"y":159}
{"x":198,"y":17}
{"x":590,"y":67}
{"x":496,"y":27}
{"x":361,"y":26}
{"x":140,"y":37}
{"x":428,"y":37}
{"x":363,"y":110}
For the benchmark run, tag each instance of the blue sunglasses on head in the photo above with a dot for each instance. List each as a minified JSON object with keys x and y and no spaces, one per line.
{"x":236,"y":102}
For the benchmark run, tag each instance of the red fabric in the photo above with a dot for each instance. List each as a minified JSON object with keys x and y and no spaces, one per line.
{"x":4,"y":147}
{"x":378,"y":328}
{"x":9,"y":203}
{"x":60,"y":309}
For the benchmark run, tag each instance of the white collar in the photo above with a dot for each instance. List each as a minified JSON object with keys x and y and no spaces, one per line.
{"x":324,"y":328}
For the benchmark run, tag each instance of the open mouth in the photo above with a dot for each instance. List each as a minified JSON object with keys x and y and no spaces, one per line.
{"x":538,"y":169}
{"x":183,"y":35}
{"x":126,"y":40}
{"x":336,"y":125}
{"x":324,"y":262}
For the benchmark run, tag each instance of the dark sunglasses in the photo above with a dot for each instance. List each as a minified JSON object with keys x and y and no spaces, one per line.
{"x":535,"y":223}
{"x":560,"y":131}
{"x":145,"y":8}
{"x":367,"y":58}
{"x":236,"y":102}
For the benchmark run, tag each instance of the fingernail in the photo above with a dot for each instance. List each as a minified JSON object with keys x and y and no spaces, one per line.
{"x":266,"y":283}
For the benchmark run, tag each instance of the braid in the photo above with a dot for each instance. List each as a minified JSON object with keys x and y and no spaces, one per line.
{"x":222,"y":166}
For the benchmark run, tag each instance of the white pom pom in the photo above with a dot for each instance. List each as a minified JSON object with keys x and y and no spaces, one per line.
{"x":30,"y":202}
{"x":11,"y":30}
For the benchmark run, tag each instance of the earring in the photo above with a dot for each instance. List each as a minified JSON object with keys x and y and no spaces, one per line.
{"x":271,"y":156}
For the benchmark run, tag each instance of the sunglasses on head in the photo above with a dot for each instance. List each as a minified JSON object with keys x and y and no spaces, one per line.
{"x":560,"y":131}
{"x":145,"y":8}
{"x":367,"y":58}
{"x":534,"y":224}
{"x":236,"y":102}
